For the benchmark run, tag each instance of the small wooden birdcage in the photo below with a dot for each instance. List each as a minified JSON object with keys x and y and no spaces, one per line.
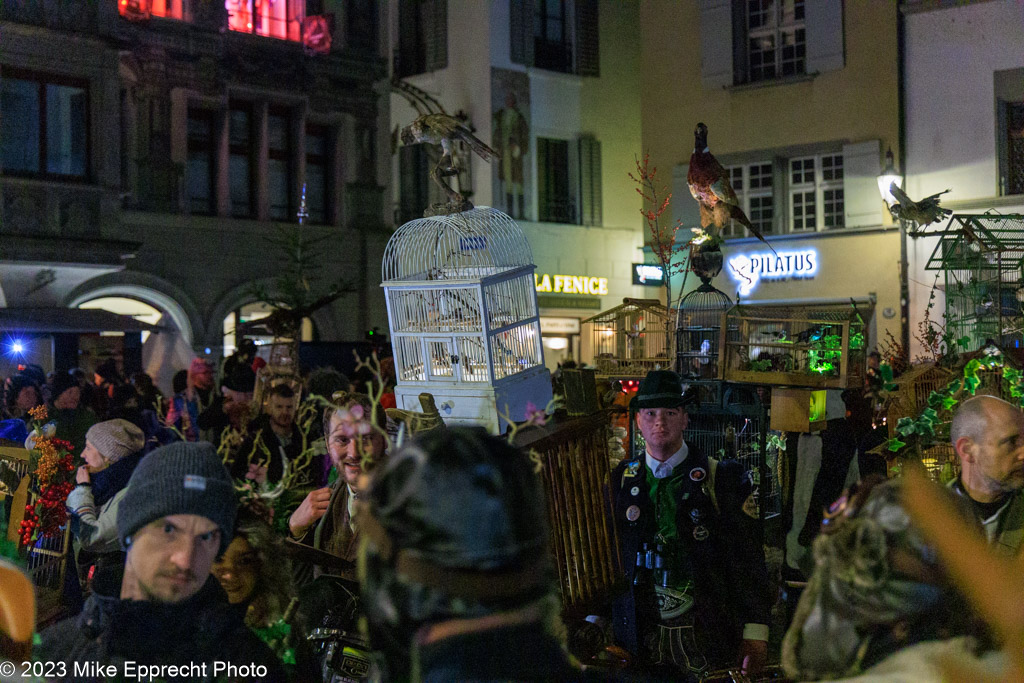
{"x":817,"y":346}
{"x":911,"y":394}
{"x":462,"y":310}
{"x":630,"y":340}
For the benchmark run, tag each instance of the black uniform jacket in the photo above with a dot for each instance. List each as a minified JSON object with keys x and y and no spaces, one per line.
{"x":722,"y":544}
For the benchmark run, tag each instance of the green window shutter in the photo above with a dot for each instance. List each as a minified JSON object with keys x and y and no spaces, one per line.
{"x":434,"y":18}
{"x":588,"y":56}
{"x":521,"y":31}
{"x":590,"y":181}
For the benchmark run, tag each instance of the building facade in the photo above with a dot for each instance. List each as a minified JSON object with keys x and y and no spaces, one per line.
{"x":964,"y":128}
{"x":552,"y":87}
{"x":150,"y":159}
{"x":801,"y":102}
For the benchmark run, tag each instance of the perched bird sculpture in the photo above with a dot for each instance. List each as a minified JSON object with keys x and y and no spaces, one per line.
{"x":709,"y":185}
{"x":444,"y":130}
{"x":923,"y":213}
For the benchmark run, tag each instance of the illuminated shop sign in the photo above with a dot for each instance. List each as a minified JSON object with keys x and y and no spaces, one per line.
{"x":648,"y":275}
{"x":749,"y":269}
{"x":571,"y":284}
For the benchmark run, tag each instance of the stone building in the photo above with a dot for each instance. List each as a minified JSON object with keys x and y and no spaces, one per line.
{"x":150,"y":148}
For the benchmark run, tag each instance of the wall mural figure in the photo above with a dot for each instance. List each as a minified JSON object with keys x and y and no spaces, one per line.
{"x":510,"y":102}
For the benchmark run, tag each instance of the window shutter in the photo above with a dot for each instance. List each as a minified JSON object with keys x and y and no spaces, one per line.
{"x":407,"y":21}
{"x":716,"y":43}
{"x":825,"y":48}
{"x":590,"y":181}
{"x":521,"y":28}
{"x":543,"y":180}
{"x":684,"y":206}
{"x":435,"y":33}
{"x":862,"y":162}
{"x":588,"y":58}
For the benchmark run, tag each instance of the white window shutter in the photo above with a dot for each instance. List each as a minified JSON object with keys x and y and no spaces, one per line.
{"x":825,"y":45}
{"x":684,"y":206}
{"x":716,"y":43}
{"x":862,"y":162}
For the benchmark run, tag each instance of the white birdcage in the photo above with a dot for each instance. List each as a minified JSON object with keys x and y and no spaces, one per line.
{"x":462,"y":308}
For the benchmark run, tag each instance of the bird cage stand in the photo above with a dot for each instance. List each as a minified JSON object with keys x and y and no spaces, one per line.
{"x":462,"y":312}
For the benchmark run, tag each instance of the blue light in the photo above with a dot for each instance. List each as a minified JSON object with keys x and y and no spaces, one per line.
{"x":207,"y":350}
{"x":17,"y":347}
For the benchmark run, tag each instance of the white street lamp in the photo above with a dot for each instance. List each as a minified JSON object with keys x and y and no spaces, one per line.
{"x":889,"y":176}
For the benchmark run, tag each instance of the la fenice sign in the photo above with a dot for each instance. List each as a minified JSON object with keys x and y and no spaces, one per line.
{"x":571,"y":284}
{"x":747,"y":270}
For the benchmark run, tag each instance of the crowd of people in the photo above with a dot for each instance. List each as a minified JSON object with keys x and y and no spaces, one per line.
{"x":215,"y":541}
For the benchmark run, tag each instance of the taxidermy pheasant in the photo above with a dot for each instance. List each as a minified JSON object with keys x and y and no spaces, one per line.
{"x":709,"y":185}
{"x":923,"y":213}
{"x":444,"y":130}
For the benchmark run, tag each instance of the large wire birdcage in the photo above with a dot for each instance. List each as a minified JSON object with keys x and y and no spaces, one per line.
{"x":462,"y":309}
{"x":630,"y":340}
{"x":698,"y":325}
{"x":981,"y":257}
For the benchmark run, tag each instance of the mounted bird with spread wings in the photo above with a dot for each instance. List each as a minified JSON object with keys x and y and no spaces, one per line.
{"x":924,"y":212}
{"x":445,"y":130}
{"x":709,"y":185}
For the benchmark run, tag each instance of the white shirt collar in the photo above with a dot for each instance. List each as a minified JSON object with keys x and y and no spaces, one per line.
{"x":664,"y":469}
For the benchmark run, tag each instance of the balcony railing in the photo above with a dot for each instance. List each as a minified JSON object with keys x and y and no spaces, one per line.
{"x":561,"y":210}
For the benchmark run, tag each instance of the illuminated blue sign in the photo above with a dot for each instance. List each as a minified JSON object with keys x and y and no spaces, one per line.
{"x":749,"y":269}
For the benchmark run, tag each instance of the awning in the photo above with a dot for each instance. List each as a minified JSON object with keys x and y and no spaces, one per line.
{"x":73,"y":320}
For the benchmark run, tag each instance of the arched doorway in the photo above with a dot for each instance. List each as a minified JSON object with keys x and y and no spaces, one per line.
{"x":163,"y":353}
{"x":251,"y":313}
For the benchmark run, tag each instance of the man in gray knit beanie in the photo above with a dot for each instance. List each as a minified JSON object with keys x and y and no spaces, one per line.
{"x":176,"y":517}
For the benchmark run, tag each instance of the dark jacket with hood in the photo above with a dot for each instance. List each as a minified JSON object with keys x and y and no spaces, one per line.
{"x":205,"y":628}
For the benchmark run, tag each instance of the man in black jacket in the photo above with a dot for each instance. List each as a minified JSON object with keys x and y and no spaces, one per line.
{"x":275,"y":443}
{"x":165,"y":610}
{"x":690,"y":540}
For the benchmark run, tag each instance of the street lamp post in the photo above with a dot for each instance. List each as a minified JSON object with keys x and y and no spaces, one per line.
{"x":889,"y":176}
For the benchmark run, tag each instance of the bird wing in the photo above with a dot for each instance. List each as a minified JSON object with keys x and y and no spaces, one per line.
{"x":899,"y":194}
{"x":478,"y":145}
{"x":935,"y":197}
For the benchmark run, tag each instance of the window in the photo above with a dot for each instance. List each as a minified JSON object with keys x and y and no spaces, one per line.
{"x":423,"y":36}
{"x":753,"y":186}
{"x":279,"y":165}
{"x":1013,"y":144}
{"x":816,"y":193}
{"x":200,"y":167}
{"x":556,"y":201}
{"x":170,"y":9}
{"x":776,"y":38}
{"x":317,"y":173}
{"x":271,"y":18}
{"x":240,"y":164}
{"x":416,"y":190}
{"x":555,"y":35}
{"x":44,"y":126}
{"x":551,"y":49}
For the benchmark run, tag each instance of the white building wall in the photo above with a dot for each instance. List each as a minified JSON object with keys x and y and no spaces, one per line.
{"x":952,"y":55}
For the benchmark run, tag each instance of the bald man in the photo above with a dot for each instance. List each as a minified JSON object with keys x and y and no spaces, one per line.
{"x":988,"y":437}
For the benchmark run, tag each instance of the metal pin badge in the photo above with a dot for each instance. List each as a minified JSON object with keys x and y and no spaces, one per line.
{"x":701,"y":533}
{"x":635,"y":491}
{"x":698,"y":474}
{"x":633,"y":513}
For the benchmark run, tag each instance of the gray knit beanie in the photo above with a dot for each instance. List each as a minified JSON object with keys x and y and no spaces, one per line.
{"x":115,"y":439}
{"x":182,"y":478}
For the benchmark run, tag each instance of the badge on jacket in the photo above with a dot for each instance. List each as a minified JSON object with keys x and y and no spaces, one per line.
{"x":633,"y":513}
{"x":632,"y":469}
{"x":698,"y":474}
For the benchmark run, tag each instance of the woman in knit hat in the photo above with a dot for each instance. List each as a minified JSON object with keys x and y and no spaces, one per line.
{"x":112,"y":451}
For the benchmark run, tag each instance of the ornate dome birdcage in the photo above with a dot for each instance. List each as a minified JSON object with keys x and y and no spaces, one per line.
{"x":462,"y":310}
{"x":698,"y":325}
